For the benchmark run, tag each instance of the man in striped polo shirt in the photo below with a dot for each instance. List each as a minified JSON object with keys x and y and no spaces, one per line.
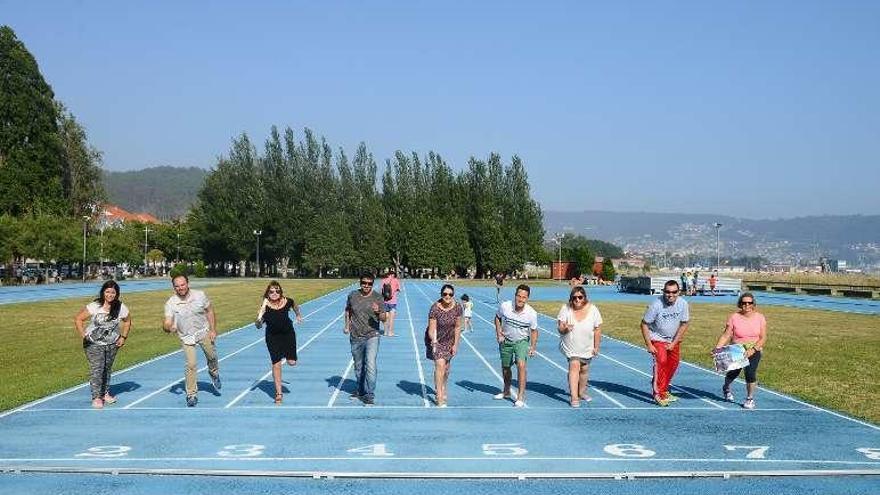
{"x":516,"y":328}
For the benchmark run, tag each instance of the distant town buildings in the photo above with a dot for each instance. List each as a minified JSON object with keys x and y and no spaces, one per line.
{"x":112,"y":216}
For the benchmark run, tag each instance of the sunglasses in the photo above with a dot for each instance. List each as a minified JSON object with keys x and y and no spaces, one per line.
{"x":578,"y":297}
{"x":367,"y":283}
{"x":444,"y":294}
{"x":670,"y":292}
{"x":274,"y":291}
{"x":744,"y":303}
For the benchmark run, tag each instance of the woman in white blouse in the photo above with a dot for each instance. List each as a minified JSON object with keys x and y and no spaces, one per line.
{"x":579,"y":324}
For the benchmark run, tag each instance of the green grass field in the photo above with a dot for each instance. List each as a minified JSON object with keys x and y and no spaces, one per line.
{"x":825,"y":358}
{"x":42,"y":353}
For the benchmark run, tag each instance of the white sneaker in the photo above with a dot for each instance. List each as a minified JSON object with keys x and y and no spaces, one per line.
{"x":728,"y":395}
{"x":749,"y":403}
{"x":500,"y":396}
{"x":519,"y":403}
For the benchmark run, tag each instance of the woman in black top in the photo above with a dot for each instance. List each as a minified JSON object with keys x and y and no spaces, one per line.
{"x":280,"y":335}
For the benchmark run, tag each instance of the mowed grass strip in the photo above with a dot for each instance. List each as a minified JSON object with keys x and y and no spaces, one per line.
{"x":822,"y":357}
{"x":42,"y":352}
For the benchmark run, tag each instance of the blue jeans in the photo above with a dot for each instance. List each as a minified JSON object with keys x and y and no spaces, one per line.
{"x":363,"y":352}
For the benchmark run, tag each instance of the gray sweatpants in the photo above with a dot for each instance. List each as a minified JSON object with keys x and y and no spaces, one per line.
{"x":100,"y":358}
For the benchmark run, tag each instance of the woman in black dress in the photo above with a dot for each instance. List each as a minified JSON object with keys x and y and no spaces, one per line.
{"x":280,"y":335}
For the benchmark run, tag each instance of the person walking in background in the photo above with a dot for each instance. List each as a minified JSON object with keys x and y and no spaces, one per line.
{"x":102,"y":338}
{"x":713,"y":281}
{"x":364,"y":310}
{"x":663,"y":327}
{"x":684,"y":282}
{"x":442,"y":338}
{"x":390,"y":288}
{"x":516,"y":329}
{"x":468,"y":307}
{"x":280,"y":334}
{"x":579,"y":324}
{"x":694,"y":286}
{"x":749,"y":328}
{"x":499,"y":284}
{"x":190,"y":315}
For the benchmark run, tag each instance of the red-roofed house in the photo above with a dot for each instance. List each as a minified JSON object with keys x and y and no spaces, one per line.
{"x":114,"y":216}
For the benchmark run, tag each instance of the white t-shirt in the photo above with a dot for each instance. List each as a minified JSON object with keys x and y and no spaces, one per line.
{"x":102,"y":331}
{"x":579,"y":341}
{"x":516,"y":326}
{"x":189,"y":315}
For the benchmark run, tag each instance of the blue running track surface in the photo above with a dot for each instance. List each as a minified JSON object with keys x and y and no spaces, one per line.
{"x":319,"y":441}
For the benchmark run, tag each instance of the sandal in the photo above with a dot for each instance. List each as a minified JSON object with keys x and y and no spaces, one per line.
{"x":278,"y":398}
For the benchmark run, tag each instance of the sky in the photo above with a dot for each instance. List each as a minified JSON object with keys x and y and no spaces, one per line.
{"x":756,"y":109}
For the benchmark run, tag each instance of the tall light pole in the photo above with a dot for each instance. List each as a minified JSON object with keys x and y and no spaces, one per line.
{"x":102,"y":249}
{"x":178,"y":245}
{"x":146,"y":232}
{"x":85,"y":226}
{"x":258,"y":233}
{"x":717,"y":245}
{"x":558,"y":240}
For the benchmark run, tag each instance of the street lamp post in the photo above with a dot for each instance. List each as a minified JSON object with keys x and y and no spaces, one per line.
{"x":558,"y":240}
{"x":258,"y":233}
{"x":717,"y":245}
{"x":177,"y":260}
{"x":146,"y":241}
{"x":85,"y":226}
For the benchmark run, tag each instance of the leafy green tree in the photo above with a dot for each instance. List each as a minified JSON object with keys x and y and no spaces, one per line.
{"x":367,"y":223}
{"x":484,"y":221}
{"x":82,"y":165}
{"x":577,"y":250}
{"x":608,"y":272}
{"x":231,"y":206}
{"x":604,"y":249}
{"x":30,"y":149}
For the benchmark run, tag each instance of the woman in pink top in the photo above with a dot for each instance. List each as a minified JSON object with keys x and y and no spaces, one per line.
{"x":748,"y":327}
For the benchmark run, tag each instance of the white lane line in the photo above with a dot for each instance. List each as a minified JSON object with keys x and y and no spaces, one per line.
{"x":298,"y":350}
{"x":444,"y":458}
{"x":180,"y":380}
{"x":597,"y":389}
{"x":339,"y":385}
{"x":412,"y":331}
{"x":479,"y":355}
{"x":224,"y":335}
{"x":678,"y":389}
{"x":261,"y":339}
{"x":109,"y":410}
{"x":770,"y":391}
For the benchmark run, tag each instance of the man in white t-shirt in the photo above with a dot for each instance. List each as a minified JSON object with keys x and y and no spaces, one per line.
{"x":516,"y":328}
{"x":190,"y":314}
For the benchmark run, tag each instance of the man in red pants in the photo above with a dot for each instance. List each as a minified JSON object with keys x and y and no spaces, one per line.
{"x":663,"y":327}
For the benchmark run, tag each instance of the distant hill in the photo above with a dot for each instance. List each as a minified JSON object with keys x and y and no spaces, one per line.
{"x":855,"y":238}
{"x":166,"y":192}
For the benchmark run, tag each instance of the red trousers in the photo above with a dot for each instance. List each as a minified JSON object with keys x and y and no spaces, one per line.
{"x":665,"y":364}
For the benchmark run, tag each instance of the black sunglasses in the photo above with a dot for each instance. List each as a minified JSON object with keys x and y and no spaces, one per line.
{"x":450,"y":294}
{"x":367,"y":283}
{"x":670,"y":292}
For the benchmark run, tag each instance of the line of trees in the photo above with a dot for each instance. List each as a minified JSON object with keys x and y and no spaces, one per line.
{"x":318,"y":212}
{"x":310,"y":208}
